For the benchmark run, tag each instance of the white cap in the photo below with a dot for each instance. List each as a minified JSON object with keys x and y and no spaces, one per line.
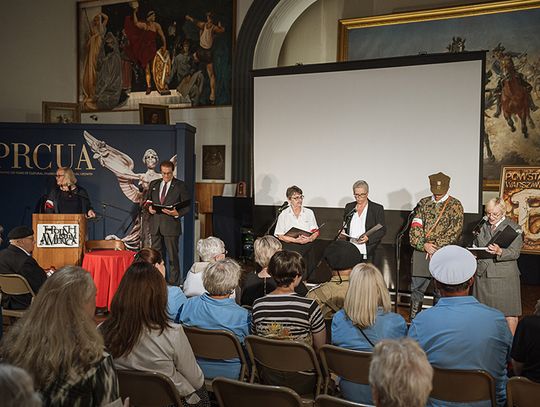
{"x":452,"y":265}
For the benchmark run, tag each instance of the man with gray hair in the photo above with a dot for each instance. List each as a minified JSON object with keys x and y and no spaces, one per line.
{"x":400,"y":374}
{"x":459,"y":332}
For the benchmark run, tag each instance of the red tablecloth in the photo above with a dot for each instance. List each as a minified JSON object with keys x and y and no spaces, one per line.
{"x":107,"y":268}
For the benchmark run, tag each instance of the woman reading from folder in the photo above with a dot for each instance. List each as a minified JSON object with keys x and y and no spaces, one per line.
{"x":299,"y":217}
{"x":496,"y":281}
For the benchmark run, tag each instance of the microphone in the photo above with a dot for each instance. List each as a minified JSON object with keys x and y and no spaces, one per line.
{"x":284,"y":206}
{"x":351,"y":213}
{"x":479,"y":225}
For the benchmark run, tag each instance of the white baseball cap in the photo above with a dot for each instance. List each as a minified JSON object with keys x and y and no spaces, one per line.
{"x":452,"y":265}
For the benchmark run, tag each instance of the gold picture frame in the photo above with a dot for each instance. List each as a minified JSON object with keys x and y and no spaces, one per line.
{"x":520,"y":190}
{"x":60,"y":112}
{"x":153,"y":114}
{"x":501,"y":28}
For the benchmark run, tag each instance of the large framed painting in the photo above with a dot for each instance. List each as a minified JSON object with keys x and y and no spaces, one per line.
{"x":508,"y":30}
{"x":520,"y":190}
{"x":161,"y":52}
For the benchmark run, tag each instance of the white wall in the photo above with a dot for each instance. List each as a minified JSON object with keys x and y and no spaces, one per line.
{"x":39,"y":62}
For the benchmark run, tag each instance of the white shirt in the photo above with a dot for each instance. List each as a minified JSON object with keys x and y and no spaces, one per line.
{"x":305,"y":221}
{"x":358,"y":228}
{"x":444,"y":198}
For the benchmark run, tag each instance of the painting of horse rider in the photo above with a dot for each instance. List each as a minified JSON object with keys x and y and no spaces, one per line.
{"x":508,"y":30}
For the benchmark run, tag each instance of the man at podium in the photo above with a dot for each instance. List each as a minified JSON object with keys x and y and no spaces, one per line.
{"x":68,"y":196}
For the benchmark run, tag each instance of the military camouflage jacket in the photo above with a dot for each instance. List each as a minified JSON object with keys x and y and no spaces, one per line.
{"x":448,"y":229}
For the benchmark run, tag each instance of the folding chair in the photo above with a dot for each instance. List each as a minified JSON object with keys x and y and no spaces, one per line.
{"x":463,"y":386}
{"x":351,"y":365}
{"x":14,"y":284}
{"x":148,"y":389}
{"x":522,"y":392}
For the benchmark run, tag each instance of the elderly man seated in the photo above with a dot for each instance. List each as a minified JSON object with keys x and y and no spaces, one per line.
{"x":459,"y":332}
{"x":17,"y":259}
{"x":400,"y":374}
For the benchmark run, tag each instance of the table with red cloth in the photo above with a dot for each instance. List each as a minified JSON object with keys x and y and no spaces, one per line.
{"x":107,"y":268}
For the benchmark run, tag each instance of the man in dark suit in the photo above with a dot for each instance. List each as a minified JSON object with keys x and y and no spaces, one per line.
{"x":17,"y":259}
{"x":165,"y":224}
{"x":360,"y":216}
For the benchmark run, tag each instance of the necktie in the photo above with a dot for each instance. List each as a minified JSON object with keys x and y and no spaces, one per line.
{"x":163,"y":193}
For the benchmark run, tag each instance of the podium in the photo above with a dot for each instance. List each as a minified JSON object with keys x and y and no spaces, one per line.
{"x":59,"y":239}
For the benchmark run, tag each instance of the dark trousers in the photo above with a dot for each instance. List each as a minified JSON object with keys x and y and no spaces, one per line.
{"x":173,"y":276}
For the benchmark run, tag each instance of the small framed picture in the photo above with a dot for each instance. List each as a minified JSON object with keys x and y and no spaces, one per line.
{"x":153,"y":114}
{"x":60,"y":112}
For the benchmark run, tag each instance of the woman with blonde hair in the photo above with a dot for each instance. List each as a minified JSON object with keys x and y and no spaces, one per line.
{"x":365,"y":320}
{"x":258,"y":284}
{"x":56,"y":341}
{"x":68,"y":196}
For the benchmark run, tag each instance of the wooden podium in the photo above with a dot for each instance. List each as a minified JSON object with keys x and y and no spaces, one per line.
{"x":59,"y":239}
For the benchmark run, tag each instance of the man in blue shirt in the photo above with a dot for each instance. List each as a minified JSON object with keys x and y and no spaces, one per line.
{"x":459,"y":332}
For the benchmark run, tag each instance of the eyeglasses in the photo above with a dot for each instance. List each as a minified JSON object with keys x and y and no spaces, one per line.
{"x":59,"y":175}
{"x":363,"y":195}
{"x":297,"y":197}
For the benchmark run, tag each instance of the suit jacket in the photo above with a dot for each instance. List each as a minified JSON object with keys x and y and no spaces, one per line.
{"x":505,"y":264}
{"x":161,"y":223}
{"x":375,"y":214}
{"x":15,"y":261}
{"x":55,"y":195}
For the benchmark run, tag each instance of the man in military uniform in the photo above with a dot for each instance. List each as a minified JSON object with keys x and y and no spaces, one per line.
{"x":437,"y":222}
{"x":341,"y":256}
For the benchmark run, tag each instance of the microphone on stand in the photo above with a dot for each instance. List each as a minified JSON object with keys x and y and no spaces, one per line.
{"x":284,"y":206}
{"x":351,"y":213}
{"x":479,"y":225}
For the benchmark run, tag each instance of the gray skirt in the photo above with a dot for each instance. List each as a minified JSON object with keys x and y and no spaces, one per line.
{"x":502,"y":293}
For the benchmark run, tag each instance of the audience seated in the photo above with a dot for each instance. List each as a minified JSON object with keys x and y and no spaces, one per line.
{"x":175,"y":295}
{"x":17,"y":259}
{"x":57,"y":343}
{"x":400,"y":374}
{"x":459,"y":332}
{"x":341,"y":256}
{"x":210,"y":250}
{"x":283,"y":314}
{"x":216,"y":310}
{"x":140,"y":337}
{"x":17,"y":388}
{"x":526,"y":346}
{"x":258,"y":284}
{"x":364,"y":321}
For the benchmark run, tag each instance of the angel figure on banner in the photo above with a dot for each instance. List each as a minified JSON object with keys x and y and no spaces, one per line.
{"x":133,"y":185}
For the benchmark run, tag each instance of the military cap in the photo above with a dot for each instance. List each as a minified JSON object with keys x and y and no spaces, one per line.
{"x":20,"y":232}
{"x":342,"y":255}
{"x":452,"y":265}
{"x":439,"y":183}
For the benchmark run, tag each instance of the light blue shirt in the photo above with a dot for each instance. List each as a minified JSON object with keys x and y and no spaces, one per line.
{"x":175,"y":299}
{"x":209,"y":313}
{"x":346,"y":335}
{"x":461,"y":333}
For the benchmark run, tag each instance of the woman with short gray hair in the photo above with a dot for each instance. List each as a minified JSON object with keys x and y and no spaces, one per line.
{"x":210,"y":250}
{"x":217,"y":310}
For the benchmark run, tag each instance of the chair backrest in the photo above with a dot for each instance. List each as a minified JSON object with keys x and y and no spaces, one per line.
{"x":522,"y":392}
{"x":349,"y":364}
{"x":233,"y":393}
{"x":325,"y":400}
{"x":104,"y":245}
{"x":463,"y":386}
{"x":15,"y":284}
{"x":148,"y":389}
{"x":217,"y":345}
{"x":283,"y":355}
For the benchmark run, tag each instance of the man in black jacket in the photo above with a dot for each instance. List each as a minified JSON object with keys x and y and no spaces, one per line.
{"x":17,"y":259}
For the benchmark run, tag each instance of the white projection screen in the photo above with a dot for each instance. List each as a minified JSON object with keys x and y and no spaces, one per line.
{"x":391,"y":126}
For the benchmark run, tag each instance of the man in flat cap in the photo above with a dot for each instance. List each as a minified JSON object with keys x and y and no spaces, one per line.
{"x":17,"y":259}
{"x":437,"y":222}
{"x":341,"y":257}
{"x":459,"y":332}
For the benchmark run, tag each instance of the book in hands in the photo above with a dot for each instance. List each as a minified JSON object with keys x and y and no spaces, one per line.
{"x":178,"y":205}
{"x":295,"y":232}
{"x":503,"y":238}
{"x":367,"y":233}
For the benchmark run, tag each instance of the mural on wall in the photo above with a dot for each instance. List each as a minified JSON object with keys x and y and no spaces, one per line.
{"x":520,"y":189}
{"x":156,"y":52}
{"x":508,"y":30}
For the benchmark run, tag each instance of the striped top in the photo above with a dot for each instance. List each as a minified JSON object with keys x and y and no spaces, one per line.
{"x":286,"y":316}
